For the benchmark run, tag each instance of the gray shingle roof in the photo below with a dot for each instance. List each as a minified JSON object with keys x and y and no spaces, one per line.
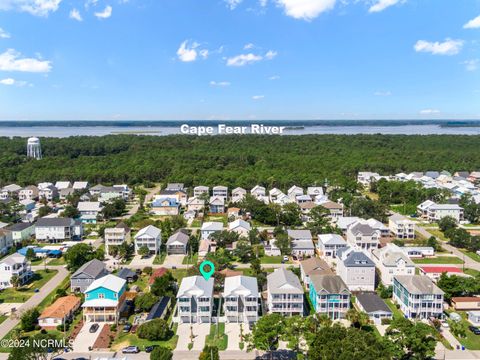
{"x":94,"y":268}
{"x":358,"y":259}
{"x":363,"y":229}
{"x":178,"y":236}
{"x":418,"y":284}
{"x":299,"y":234}
{"x":371,"y":302}
{"x":283,"y":281}
{"x":47,"y":222}
{"x":332,"y":284}
{"x":315,"y":265}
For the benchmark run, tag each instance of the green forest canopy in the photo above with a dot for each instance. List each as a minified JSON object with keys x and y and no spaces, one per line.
{"x":234,"y":160}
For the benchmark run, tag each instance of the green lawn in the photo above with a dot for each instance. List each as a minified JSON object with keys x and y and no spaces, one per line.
{"x":39,"y":261}
{"x":142,"y":282}
{"x":472,"y":272}
{"x":438,"y":234}
{"x":160,"y":258}
{"x":189,"y":260}
{"x":3,"y":318}
{"x":128,"y":339}
{"x":196,"y":223}
{"x":439,"y":260}
{"x":220,"y":340}
{"x":396,"y":312}
{"x":57,"y":261}
{"x":179,"y":274}
{"x":219,"y":218}
{"x":471,"y":255}
{"x":471,"y":341}
{"x":272,"y":260}
{"x":22,"y":294}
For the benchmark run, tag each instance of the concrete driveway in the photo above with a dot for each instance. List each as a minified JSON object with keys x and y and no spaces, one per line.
{"x":232,"y":330}
{"x":139,"y":262}
{"x":173,"y":260}
{"x":200,"y":331}
{"x":85,"y":339}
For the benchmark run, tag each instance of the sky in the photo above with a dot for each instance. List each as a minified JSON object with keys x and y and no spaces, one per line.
{"x":239,"y":59}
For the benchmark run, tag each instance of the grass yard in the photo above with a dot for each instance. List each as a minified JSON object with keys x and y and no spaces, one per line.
{"x":220,"y":340}
{"x":218,"y":218}
{"x":160,"y":258}
{"x":189,"y":260}
{"x":127,"y":339}
{"x":3,"y":318}
{"x":471,"y":341}
{"x":179,"y":274}
{"x":196,"y":223}
{"x":22,"y":294}
{"x":396,"y":312}
{"x":142,"y":282}
{"x":439,"y":260}
{"x":57,"y":261}
{"x":471,"y":255}
{"x":273,"y":260}
{"x":438,"y":234}
{"x":472,"y":272}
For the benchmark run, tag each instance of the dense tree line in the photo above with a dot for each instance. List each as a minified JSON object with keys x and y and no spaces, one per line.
{"x":233,"y":160}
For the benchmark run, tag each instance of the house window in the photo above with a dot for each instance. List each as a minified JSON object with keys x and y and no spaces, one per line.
{"x":101,"y":296}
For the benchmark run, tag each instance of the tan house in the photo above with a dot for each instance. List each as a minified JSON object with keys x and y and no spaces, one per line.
{"x":466,"y":302}
{"x":60,"y":311}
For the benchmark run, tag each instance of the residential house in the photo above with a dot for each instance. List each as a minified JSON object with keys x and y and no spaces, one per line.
{"x":417,"y":296}
{"x":362,"y":236}
{"x":312,"y":266}
{"x":21,"y":231}
{"x":14,"y":265}
{"x":329,"y":244}
{"x":315,"y":191}
{"x":199,"y":191}
{"x":177,"y":243}
{"x":103,"y":299}
{"x":418,"y":251}
{"x":366,"y":177}
{"x":401,"y":227}
{"x":271,"y":249}
{"x":284,"y":293}
{"x":422,"y":209}
{"x":474,"y":317}
{"x":58,"y":229}
{"x":116,"y":236}
{"x":301,"y":242}
{"x":89,"y":211}
{"x":87,"y":274}
{"x":149,"y":236}
{"x":241,"y":299}
{"x":175,"y":186}
{"x":28,"y":193}
{"x":233,"y":213}
{"x":274,"y":193}
{"x":258,"y":192}
{"x":61,"y":311}
{"x":216,"y":205}
{"x":210,"y":227}
{"x":195,"y":300}
{"x":10,"y":191}
{"x":391,"y":261}
{"x":294,"y":191}
{"x":344,"y":222}
{"x":373,"y":306}
{"x":239,"y":226}
{"x":434,"y":272}
{"x":63,"y":185}
{"x":80,"y":185}
{"x":466,"y":302}
{"x":302,"y":199}
{"x":329,"y":295}
{"x":238,"y":194}
{"x":165,"y":206}
{"x":335,"y":210}
{"x":356,"y":269}
{"x":6,"y":240}
{"x":127,"y":275}
{"x":437,"y":212}
{"x":221,"y":191}
{"x":195,"y":204}
{"x":179,"y":195}
{"x":65,"y":193}
{"x":48,"y":192}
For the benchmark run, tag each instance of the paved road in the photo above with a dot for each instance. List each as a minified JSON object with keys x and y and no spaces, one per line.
{"x":469,"y":262}
{"x":150,"y":194}
{"x":36,"y":299}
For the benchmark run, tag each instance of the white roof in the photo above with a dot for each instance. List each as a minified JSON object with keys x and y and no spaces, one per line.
{"x":62,"y":185}
{"x":13,"y":259}
{"x":426,"y":204}
{"x":240,"y":190}
{"x":195,"y":286}
{"x":302,"y":244}
{"x":12,"y":187}
{"x":331,"y":239}
{"x":295,"y":188}
{"x":239,"y":223}
{"x":275,"y":192}
{"x":258,"y":188}
{"x":150,"y":230}
{"x":89,"y":206}
{"x":315,"y":190}
{"x":110,"y":282}
{"x":445,"y":207}
{"x":217,"y":200}
{"x":240,"y":286}
{"x":212,"y":226}
{"x":80,"y":185}
{"x":344,"y":222}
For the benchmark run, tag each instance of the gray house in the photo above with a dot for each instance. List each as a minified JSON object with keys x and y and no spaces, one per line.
{"x":177,"y":243}
{"x":86,"y":274}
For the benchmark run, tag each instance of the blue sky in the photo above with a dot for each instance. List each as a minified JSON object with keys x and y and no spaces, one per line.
{"x":239,"y":59}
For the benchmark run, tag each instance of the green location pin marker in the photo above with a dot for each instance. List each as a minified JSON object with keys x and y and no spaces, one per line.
{"x":207,"y":274}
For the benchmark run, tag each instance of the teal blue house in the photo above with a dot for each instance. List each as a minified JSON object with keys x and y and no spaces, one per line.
{"x":329,"y":295}
{"x":103,"y":299}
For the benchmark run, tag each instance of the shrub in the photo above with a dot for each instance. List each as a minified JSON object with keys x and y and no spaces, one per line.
{"x":154,"y":330}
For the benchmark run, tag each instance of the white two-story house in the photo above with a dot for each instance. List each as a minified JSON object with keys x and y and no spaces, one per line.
{"x":195,"y":300}
{"x":392,"y":261}
{"x":241,"y":299}
{"x":284,"y":293}
{"x":149,"y":236}
{"x":14,"y":265}
{"x":362,"y":236}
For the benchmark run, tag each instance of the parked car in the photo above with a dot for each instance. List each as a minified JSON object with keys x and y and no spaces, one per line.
{"x":131,"y":350}
{"x":127,"y":327}
{"x":285,"y":258}
{"x":94,"y":328}
{"x":474,"y":330}
{"x":445,"y":324}
{"x":149,"y":349}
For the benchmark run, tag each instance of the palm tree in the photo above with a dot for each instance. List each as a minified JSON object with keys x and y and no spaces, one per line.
{"x":15,"y":281}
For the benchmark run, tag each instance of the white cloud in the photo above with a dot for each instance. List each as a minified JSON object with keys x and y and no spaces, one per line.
{"x":34,"y":7}
{"x":10,"y":61}
{"x":219,"y":83}
{"x":448,"y":47}
{"x":258,"y":97}
{"x":306,"y":9}
{"x":188,"y":53}
{"x":381,"y":5}
{"x":473,"y":24}
{"x":232,"y":4}
{"x":203,"y":53}
{"x":10,"y":82}
{"x":382,"y":93}
{"x":429,"y":112}
{"x":471,"y":65}
{"x":274,"y":77}
{"x":4,"y":34}
{"x":75,"y":15}
{"x":270,"y":54}
{"x":262,"y":3}
{"x":248,"y":46}
{"x":105,"y":14}
{"x":243,"y":59}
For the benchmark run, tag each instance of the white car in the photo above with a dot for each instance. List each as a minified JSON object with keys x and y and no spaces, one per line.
{"x":285,"y":258}
{"x":445,"y":324}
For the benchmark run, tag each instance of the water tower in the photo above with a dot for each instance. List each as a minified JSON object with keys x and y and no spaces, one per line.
{"x":33,"y":148}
